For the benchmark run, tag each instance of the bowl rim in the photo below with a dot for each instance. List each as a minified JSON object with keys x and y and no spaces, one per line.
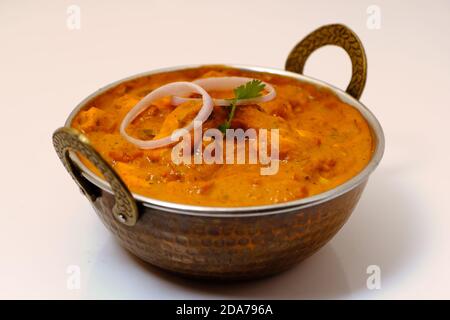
{"x":283,"y":207}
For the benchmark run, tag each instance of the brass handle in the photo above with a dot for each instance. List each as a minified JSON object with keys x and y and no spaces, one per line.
{"x":333,"y":34}
{"x":69,"y":139}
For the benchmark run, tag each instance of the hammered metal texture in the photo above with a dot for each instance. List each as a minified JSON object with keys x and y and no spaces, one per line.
{"x":69,"y":139}
{"x":227,"y":248}
{"x":333,"y":34}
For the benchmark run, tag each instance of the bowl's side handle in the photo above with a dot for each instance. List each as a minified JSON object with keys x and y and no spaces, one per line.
{"x":67,"y":139}
{"x":333,"y":34}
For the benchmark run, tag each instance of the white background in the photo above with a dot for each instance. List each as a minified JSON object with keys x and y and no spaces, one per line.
{"x":401,"y":223}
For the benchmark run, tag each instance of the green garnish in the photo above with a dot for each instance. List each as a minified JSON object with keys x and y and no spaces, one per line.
{"x":251,"y":89}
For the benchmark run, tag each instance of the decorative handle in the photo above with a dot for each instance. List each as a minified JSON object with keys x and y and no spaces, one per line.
{"x":69,"y":139}
{"x":333,"y":34}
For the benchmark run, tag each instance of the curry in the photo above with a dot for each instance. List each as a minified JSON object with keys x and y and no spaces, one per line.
{"x":323,"y":142}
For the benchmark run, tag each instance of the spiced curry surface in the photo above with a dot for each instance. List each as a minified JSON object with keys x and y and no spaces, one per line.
{"x":323,"y":141}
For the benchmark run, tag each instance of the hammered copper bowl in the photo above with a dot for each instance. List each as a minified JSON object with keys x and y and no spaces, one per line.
{"x":227,"y":243}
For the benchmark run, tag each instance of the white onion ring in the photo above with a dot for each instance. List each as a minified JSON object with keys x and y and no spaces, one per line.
{"x":227,"y":83}
{"x":174,"y":88}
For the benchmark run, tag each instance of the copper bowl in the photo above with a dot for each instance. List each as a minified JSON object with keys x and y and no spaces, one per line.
{"x":220,"y":242}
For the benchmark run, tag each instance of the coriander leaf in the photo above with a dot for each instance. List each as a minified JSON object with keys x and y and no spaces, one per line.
{"x":251,"y":89}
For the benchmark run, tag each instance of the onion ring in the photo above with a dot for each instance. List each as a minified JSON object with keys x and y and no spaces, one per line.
{"x":227,"y":83}
{"x":170,"y":89}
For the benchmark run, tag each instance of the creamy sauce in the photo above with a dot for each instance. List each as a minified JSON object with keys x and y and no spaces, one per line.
{"x":323,"y":142}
